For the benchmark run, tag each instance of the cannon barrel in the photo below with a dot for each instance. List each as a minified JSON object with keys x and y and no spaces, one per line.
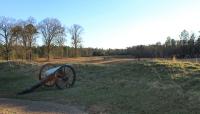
{"x":32,"y":88}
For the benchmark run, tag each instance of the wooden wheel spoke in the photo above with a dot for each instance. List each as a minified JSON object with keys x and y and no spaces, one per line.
{"x":63,"y":76}
{"x":68,"y":77}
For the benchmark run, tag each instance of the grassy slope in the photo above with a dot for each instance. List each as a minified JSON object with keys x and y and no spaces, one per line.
{"x":134,"y":87}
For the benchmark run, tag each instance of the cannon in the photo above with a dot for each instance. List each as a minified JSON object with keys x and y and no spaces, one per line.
{"x":62,"y":76}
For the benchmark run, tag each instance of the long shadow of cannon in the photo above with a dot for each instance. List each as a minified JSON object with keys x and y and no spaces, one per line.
{"x":63,"y":76}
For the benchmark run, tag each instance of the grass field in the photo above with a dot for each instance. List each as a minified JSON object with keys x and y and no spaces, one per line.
{"x":135,"y":87}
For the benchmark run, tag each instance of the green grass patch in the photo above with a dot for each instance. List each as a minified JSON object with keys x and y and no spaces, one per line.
{"x":159,"y":87}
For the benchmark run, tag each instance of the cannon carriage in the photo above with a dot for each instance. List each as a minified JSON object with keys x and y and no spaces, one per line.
{"x":62,"y":76}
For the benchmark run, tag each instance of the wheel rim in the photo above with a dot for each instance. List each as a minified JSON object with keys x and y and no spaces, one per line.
{"x":42,"y":74}
{"x":65,"y":77}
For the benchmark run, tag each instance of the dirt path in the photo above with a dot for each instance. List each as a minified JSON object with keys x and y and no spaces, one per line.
{"x":13,"y":106}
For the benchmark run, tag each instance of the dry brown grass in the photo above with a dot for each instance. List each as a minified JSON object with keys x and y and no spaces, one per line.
{"x":95,"y":60}
{"x":117,"y":86}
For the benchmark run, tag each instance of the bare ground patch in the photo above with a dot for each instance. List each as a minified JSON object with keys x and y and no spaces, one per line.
{"x":13,"y":106}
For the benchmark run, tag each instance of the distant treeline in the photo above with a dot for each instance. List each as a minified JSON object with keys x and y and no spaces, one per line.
{"x":18,"y":40}
{"x":188,"y":46}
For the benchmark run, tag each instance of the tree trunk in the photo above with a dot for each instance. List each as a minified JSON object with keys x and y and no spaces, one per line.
{"x":76,"y":53}
{"x":7,"y":48}
{"x":30,"y":55}
{"x":48,"y":52}
{"x":62,"y":49}
{"x":26,"y":54}
{"x":7,"y":54}
{"x":30,"y":52}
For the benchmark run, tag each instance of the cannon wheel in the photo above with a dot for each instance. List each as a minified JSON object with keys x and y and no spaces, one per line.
{"x":42,"y":74}
{"x":66,"y":77}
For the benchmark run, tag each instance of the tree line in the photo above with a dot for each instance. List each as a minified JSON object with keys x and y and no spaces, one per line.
{"x":18,"y":38}
{"x":188,"y":46}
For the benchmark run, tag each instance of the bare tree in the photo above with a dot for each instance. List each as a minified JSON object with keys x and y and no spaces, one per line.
{"x":75,"y":32}
{"x":60,"y":42}
{"x":16,"y":34}
{"x":51,"y":29}
{"x":31,"y":34}
{"x":31,"y":31}
{"x":17,"y":44}
{"x":5,"y":35}
{"x":25,"y":34}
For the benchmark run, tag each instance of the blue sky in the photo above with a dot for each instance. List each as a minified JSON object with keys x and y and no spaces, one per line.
{"x":114,"y":23}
